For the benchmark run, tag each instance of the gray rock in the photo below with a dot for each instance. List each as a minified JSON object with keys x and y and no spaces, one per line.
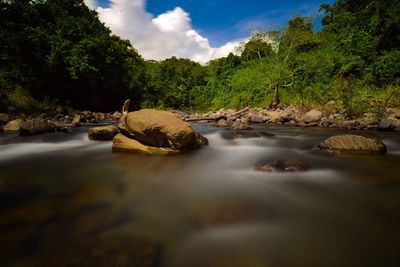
{"x":311,"y":116}
{"x":256,"y":119}
{"x":385,"y":125}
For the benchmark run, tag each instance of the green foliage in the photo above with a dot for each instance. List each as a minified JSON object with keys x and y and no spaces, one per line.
{"x":258,"y":47}
{"x":59,"y":49}
{"x":171,"y":83}
{"x":386,"y":69}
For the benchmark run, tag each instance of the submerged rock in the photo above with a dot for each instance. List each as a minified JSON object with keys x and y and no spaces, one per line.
{"x":280,"y":165}
{"x":103,"y":133}
{"x":353,"y":144}
{"x":148,"y":129}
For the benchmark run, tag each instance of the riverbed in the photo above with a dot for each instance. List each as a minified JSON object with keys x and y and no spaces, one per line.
{"x":69,"y":201}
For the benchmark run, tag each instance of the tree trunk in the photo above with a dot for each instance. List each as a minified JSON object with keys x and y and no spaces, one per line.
{"x":276,"y":98}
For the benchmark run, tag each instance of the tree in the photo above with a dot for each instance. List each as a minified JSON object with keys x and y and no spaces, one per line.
{"x":59,"y":49}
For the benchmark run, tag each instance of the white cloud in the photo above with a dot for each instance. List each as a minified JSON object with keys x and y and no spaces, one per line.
{"x":91,"y":3}
{"x":169,"y":34}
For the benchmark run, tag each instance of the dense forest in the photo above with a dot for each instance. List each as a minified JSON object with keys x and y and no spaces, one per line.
{"x":58,"y":52}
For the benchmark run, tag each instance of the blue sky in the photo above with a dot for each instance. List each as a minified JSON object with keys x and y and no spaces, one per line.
{"x":224,"y":20}
{"x":196,"y":29}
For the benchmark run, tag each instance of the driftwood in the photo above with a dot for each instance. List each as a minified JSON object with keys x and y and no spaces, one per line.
{"x":125,"y":107}
{"x":238,"y":112}
{"x":217,"y":118}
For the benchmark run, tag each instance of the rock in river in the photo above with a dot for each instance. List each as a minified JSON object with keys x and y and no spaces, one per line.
{"x":157,"y":129}
{"x":121,"y":143}
{"x":103,"y":133}
{"x":36,"y":126}
{"x":13,"y":126}
{"x":239,"y":126}
{"x":280,"y":165}
{"x":353,"y":144}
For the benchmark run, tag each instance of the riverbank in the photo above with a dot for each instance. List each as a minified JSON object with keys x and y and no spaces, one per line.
{"x":298,"y":117}
{"x":290,"y":116}
{"x":61,"y":121}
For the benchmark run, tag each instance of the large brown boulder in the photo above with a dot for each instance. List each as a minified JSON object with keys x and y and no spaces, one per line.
{"x":160,"y":129}
{"x":103,"y":133}
{"x":353,"y":144}
{"x":121,"y":143}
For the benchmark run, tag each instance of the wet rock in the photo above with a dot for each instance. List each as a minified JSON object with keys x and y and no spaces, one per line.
{"x":103,"y":133}
{"x":160,"y":129}
{"x":352,"y":144}
{"x":4,"y":118}
{"x":280,"y":165}
{"x":121,"y":143}
{"x":76,"y":122}
{"x":36,"y":126}
{"x":13,"y":126}
{"x":385,"y":125}
{"x":311,"y":116}
{"x":240,"y":126}
{"x":59,"y":117}
{"x":117,"y":115}
{"x":222,"y":123}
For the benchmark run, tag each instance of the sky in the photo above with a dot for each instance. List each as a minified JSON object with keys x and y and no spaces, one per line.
{"x":197,"y":29}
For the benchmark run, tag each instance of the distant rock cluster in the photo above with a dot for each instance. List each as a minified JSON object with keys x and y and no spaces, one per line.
{"x":292,"y":116}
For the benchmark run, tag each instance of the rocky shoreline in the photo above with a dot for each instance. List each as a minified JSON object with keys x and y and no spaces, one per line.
{"x":296,"y":117}
{"x":236,"y":119}
{"x":49,"y":123}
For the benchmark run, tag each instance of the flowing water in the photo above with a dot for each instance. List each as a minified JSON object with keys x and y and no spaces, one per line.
{"x":68,"y":201}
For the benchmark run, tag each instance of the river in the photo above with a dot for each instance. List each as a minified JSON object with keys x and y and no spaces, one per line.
{"x":69,"y":201}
